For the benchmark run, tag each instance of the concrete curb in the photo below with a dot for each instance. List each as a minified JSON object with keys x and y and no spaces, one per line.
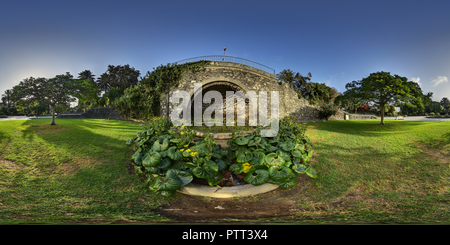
{"x":226,"y":192}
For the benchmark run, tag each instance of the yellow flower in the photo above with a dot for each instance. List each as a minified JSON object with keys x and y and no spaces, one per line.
{"x":186,"y":145}
{"x":247,"y":166}
{"x":182,"y":150}
{"x":182,"y":133}
{"x":193,"y":153}
{"x":182,"y":126}
{"x":188,"y":150}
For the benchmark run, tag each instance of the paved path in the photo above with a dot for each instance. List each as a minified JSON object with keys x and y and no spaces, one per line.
{"x":22,"y":118}
{"x":418,"y":118}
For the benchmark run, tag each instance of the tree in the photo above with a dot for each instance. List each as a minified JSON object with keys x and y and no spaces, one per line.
{"x":121,"y":77}
{"x":382,"y":87}
{"x":296,"y":81}
{"x":86,"y":75}
{"x":445,"y":102}
{"x":88,"y":99}
{"x":7,"y":99}
{"x":58,"y":90}
{"x":307,"y":89}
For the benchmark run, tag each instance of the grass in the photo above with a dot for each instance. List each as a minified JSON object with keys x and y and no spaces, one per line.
{"x":77,"y":171}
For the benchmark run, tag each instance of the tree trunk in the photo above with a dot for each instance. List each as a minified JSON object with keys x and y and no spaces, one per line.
{"x":53,"y":114}
{"x":382,"y":114}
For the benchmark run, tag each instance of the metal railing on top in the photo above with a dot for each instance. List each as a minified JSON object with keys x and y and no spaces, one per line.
{"x":222,"y":58}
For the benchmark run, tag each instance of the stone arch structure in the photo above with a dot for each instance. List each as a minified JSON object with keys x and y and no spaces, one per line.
{"x":238,"y":77}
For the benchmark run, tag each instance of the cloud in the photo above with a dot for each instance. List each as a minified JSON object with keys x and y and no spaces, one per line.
{"x":439,"y":80}
{"x":416,"y":80}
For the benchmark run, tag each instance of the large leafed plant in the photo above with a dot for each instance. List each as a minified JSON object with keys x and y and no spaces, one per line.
{"x":170,"y":157}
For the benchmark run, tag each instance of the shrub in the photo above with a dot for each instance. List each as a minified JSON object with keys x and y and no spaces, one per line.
{"x":170,"y":158}
{"x":326,"y":110}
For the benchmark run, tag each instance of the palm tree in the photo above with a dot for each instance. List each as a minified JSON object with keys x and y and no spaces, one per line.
{"x":103,"y":82}
{"x":86,"y":74}
{"x":7,"y":99}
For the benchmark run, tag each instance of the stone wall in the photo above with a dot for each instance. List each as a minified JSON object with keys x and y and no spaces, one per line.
{"x":246,"y":78}
{"x":96,"y":113}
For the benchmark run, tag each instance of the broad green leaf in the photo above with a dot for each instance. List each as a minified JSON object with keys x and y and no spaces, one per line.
{"x":255,"y":141}
{"x":243,"y":156}
{"x":299,"y":168}
{"x":176,"y":140}
{"x":165,"y":193}
{"x":212,"y":181}
{"x":271,"y":181}
{"x":223,"y":152}
{"x":258,"y":177}
{"x":151,"y":159}
{"x":186,"y":154}
{"x":217,"y":155}
{"x":160,"y":145}
{"x":296,"y":153}
{"x":209,"y":169}
{"x":283,"y":154}
{"x":311,"y":172}
{"x":183,"y":176}
{"x":258,"y":157}
{"x":153,"y":170}
{"x":241,"y":140}
{"x":164,"y":163}
{"x":287,"y":146}
{"x":137,"y":157}
{"x":300,"y":147}
{"x":279,"y":173}
{"x":139,"y":169}
{"x":226,"y":161}
{"x":203,"y":172}
{"x":272,"y":159}
{"x":166,"y":184}
{"x":174,"y":154}
{"x":288,"y":184}
{"x":222,"y":165}
{"x":236,"y":168}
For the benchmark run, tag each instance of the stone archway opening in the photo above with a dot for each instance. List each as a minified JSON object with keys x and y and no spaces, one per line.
{"x":222,"y":87}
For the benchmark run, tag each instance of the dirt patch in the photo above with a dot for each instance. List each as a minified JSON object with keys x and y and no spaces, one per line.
{"x":9,"y":164}
{"x":277,"y":203}
{"x":44,"y":128}
{"x":434,"y":154}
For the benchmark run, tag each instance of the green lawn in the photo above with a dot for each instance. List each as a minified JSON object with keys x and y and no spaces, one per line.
{"x":74,"y":170}
{"x":77,"y":170}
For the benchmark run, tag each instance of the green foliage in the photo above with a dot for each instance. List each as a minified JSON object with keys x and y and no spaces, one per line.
{"x":143,"y":100}
{"x":326,"y":110}
{"x":171,"y":154}
{"x":382,"y":87}
{"x":306,"y":89}
{"x":61,"y":89}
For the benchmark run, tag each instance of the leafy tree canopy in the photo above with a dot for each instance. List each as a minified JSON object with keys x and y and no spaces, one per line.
{"x":143,"y":100}
{"x":305,"y":88}
{"x":61,"y":89}
{"x":382,"y":87}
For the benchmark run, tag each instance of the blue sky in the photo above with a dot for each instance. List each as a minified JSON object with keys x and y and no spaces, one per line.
{"x":337,"y":41}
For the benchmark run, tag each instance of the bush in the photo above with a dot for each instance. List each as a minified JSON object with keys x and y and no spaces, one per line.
{"x":170,"y":158}
{"x":326,"y":110}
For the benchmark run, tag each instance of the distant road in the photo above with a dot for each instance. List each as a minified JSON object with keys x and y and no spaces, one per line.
{"x":418,"y":118}
{"x":22,"y":118}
